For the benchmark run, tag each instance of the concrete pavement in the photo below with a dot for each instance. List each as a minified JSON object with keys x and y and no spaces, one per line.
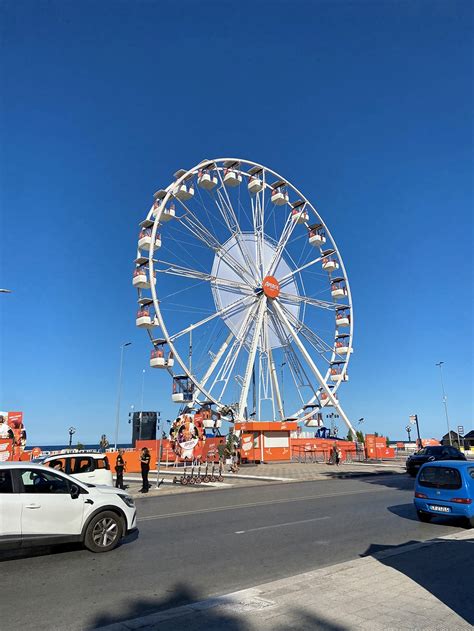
{"x":422,"y":586}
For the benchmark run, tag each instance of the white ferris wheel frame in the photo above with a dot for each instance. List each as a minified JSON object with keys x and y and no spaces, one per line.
{"x":217,"y":165}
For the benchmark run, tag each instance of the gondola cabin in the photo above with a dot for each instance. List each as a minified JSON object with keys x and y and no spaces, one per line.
{"x":183,"y":389}
{"x":299,"y":214}
{"x":206,"y":179}
{"x":144,"y":239}
{"x":255,"y":183}
{"x":169,"y":212}
{"x":329,"y":264}
{"x":140,"y":278}
{"x":342,"y":344}
{"x":145,"y":319}
{"x":280,"y":195}
{"x":326,"y":401}
{"x":232,"y":177}
{"x":158,"y":356}
{"x":316,"y":236}
{"x":343,"y":317}
{"x":185,"y":190}
{"x":316,"y":418}
{"x":338,"y":288}
{"x":337,"y":372}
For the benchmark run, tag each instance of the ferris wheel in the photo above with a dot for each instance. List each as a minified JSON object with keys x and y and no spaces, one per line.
{"x":244,"y":295}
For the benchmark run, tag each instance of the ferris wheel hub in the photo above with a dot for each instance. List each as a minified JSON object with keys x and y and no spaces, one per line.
{"x":271,"y":287}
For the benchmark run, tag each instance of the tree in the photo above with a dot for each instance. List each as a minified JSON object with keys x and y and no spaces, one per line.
{"x":387,"y":441}
{"x":350,"y":437}
{"x":376,"y":434}
{"x":80,"y":446}
{"x":359,"y":436}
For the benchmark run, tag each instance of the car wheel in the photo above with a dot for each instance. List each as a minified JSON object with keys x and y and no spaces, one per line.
{"x":424,"y":517}
{"x":412,"y":474}
{"x":103,"y":532}
{"x":470,"y":522}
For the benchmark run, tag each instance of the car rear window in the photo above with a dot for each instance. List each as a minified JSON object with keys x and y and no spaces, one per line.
{"x":440,"y":478}
{"x":6,"y":485}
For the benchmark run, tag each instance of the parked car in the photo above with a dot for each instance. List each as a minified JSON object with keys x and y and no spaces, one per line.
{"x":445,"y":488}
{"x":428,"y":454}
{"x":92,"y":468}
{"x":43,"y":506}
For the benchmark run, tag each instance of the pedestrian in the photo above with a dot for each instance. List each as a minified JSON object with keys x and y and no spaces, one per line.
{"x":145,"y":464}
{"x":119,"y":469}
{"x":336,"y":454}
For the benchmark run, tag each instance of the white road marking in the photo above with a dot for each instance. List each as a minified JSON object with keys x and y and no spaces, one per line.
{"x":288,"y":523}
{"x":264,"y":503}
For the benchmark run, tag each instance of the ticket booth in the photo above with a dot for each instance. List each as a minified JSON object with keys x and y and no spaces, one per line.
{"x":266,"y":441}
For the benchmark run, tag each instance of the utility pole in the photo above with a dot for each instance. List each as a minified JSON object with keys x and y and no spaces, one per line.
{"x":440,"y":364}
{"x":119,"y":394}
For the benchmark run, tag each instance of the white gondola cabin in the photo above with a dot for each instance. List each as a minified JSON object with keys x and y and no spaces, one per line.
{"x":338,"y":288}
{"x":255,"y":184}
{"x":329,"y":264}
{"x":144,"y":239}
{"x":232,"y":175}
{"x":316,"y":236}
{"x":183,"y":389}
{"x":169,"y":212}
{"x":145,"y":319}
{"x":316,"y":418}
{"x":185,"y":190}
{"x":337,"y":372}
{"x":206,"y":179}
{"x":140,"y":277}
{"x":342,"y":344}
{"x":299,"y":214}
{"x":343,"y":317}
{"x":326,"y":401}
{"x":280,"y":195}
{"x":158,"y":356}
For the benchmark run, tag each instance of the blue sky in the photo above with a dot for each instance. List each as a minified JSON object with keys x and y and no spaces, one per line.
{"x":367,"y":107}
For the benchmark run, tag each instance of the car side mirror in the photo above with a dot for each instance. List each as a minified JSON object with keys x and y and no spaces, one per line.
{"x":75,"y":491}
{"x":431,"y":458}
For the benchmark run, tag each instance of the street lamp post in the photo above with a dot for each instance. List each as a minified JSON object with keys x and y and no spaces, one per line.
{"x":141,"y":405}
{"x":72,"y":431}
{"x":440,"y":364}
{"x":117,"y":420}
{"x":408,"y":431}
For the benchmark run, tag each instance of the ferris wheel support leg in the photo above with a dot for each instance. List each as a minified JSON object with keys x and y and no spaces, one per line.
{"x":312,"y":365}
{"x":214,"y":363}
{"x":252,"y":353}
{"x":276,"y":388}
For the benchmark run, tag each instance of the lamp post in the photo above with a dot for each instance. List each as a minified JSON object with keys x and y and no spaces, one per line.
{"x":72,"y":431}
{"x":282,"y":386}
{"x":408,"y":431}
{"x":141,"y":405}
{"x":440,"y":364}
{"x":117,"y":420}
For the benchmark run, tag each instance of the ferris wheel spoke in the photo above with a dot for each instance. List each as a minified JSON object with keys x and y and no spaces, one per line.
{"x":231,"y":309}
{"x":215,"y":360}
{"x":289,"y":277}
{"x":252,"y":353}
{"x":187,"y":272}
{"x":226,"y":209}
{"x":281,"y":245}
{"x":314,"y":302}
{"x":230,"y":360}
{"x":199,"y":230}
{"x":317,"y":342}
{"x":307,"y":357}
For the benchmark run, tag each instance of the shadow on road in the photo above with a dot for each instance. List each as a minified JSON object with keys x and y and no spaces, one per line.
{"x":231,"y":616}
{"x":408,"y":511}
{"x":444,"y":568}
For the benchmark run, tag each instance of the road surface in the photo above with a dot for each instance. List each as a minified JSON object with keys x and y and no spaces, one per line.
{"x":196,"y":545}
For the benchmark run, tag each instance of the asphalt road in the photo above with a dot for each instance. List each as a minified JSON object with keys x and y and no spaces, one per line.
{"x":195,"y":545}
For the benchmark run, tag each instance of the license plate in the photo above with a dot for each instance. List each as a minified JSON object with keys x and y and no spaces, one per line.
{"x":439,"y":509}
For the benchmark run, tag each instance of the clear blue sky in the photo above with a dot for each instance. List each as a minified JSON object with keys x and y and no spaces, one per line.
{"x":365,"y":106}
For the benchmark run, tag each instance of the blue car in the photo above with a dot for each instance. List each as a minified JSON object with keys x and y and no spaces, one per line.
{"x":445,"y":487}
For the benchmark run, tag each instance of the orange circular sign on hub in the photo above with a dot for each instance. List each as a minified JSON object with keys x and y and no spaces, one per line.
{"x":271,"y":287}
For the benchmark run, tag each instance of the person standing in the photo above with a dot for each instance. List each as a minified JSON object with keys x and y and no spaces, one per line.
{"x":119,"y":469}
{"x":145,"y":465}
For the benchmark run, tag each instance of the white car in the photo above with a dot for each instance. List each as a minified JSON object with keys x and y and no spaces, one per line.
{"x":92,"y":468}
{"x":39,"y":505}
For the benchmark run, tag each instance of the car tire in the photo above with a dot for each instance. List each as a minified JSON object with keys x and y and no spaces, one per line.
{"x":103,"y":532}
{"x":412,"y":474}
{"x":470,"y":522}
{"x":424,"y":517}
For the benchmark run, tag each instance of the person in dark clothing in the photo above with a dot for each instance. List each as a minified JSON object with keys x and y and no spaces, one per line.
{"x":119,"y":469}
{"x":145,"y":464}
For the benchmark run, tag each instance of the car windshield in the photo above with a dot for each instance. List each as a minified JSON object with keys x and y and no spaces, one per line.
{"x":440,"y":478}
{"x":430,"y":451}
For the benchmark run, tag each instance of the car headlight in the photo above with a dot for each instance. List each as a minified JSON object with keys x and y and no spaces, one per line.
{"x":128,"y":500}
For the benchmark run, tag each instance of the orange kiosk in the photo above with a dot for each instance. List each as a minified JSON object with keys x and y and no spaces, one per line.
{"x":266,"y":441}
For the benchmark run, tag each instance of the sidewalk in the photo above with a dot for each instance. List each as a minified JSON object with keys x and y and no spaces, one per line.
{"x":264,"y":474}
{"x":418,"y":587}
